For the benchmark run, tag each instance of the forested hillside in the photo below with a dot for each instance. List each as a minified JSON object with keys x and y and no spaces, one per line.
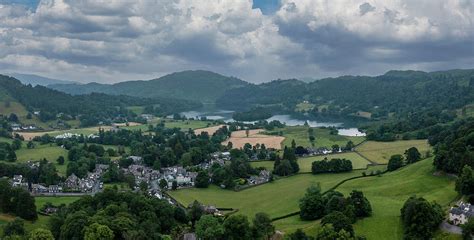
{"x":402,"y":102}
{"x":202,"y":86}
{"x":89,"y":109}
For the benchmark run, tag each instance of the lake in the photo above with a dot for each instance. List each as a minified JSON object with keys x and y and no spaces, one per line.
{"x":289,"y":120}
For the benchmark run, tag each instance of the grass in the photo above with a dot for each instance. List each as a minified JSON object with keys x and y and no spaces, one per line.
{"x":120,"y":186}
{"x":388,"y":193}
{"x":136,"y":109}
{"x":42,"y":221}
{"x":170,"y":123}
{"x":15,"y":107}
{"x":50,"y":152}
{"x":323,"y":137}
{"x":276,"y":198}
{"x":304,"y":107}
{"x":358,"y":162}
{"x":291,"y":224}
{"x":380,"y":152}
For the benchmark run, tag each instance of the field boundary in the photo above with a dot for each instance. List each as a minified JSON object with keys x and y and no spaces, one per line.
{"x":325,"y":192}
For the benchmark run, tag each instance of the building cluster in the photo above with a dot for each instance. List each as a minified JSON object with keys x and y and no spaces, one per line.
{"x":90,"y":184}
{"x":322,"y":151}
{"x":19,"y":181}
{"x":74,"y":135}
{"x":142,"y":173}
{"x":20,"y":127}
{"x":460,"y":215}
{"x":152,"y":177}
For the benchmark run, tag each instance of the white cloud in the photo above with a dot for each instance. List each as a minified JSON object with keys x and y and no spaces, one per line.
{"x":119,"y":40}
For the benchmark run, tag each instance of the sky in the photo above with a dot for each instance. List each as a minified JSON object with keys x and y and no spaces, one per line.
{"x":261,"y":40}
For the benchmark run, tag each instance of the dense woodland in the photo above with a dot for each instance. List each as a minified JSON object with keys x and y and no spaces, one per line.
{"x":90,"y":109}
{"x":453,"y":146}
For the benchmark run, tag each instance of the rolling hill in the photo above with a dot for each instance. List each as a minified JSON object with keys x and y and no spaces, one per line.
{"x":202,"y":86}
{"x":90,"y":109}
{"x":38,"y":80}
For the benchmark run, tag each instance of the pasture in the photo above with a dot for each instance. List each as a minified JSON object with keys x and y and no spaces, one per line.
{"x":323,"y":138}
{"x":388,"y":193}
{"x":277,"y":198}
{"x":358,"y":162}
{"x":380,"y":152}
{"x":209,"y":130}
{"x":85,"y":131}
{"x":41,"y":201}
{"x":50,"y":152}
{"x":239,"y":139}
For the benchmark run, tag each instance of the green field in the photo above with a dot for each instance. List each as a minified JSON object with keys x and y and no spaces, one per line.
{"x":50,"y":152}
{"x":323,"y":138}
{"x":42,"y":221}
{"x":276,"y":198}
{"x":380,"y":152}
{"x":170,"y":123}
{"x":358,"y":162}
{"x":388,"y":193}
{"x":136,"y":109}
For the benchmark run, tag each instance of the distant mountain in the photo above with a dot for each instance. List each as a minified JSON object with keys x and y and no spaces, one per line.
{"x":202,"y":86}
{"x":38,"y":80}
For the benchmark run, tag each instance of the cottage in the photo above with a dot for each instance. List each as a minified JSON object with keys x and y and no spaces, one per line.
{"x":135,"y":159}
{"x":54,"y":189}
{"x":72,"y":182}
{"x":461,"y":214}
{"x":38,"y":188}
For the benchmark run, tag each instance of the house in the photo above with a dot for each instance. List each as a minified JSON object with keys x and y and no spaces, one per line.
{"x":135,"y":159}
{"x":54,"y":189}
{"x":147,"y":116}
{"x":17,"y":180}
{"x":461,"y":214}
{"x":183,"y":180}
{"x":72,"y":182}
{"x":38,"y":188}
{"x":189,"y":236}
{"x":15,"y":126}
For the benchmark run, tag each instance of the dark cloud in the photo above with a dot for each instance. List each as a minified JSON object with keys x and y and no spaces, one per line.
{"x":365,"y":8}
{"x":140,"y":39}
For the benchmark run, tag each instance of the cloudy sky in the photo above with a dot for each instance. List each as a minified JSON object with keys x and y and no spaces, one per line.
{"x":260,"y":40}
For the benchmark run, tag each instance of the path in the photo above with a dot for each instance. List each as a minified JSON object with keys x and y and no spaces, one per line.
{"x":446,"y":227}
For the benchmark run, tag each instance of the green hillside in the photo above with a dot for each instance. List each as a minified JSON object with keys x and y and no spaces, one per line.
{"x":90,"y":109}
{"x":203,"y":86}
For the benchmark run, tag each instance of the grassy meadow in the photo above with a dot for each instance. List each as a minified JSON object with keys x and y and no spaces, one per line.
{"x":322,"y":135}
{"x":358,"y":162}
{"x":380,"y":152}
{"x":276,"y":198}
{"x":388,"y":193}
{"x":50,"y":152}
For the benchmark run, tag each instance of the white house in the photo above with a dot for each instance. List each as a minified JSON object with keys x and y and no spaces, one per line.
{"x":460,"y":215}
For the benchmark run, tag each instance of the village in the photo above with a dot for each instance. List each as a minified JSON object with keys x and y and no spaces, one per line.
{"x":175,"y":177}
